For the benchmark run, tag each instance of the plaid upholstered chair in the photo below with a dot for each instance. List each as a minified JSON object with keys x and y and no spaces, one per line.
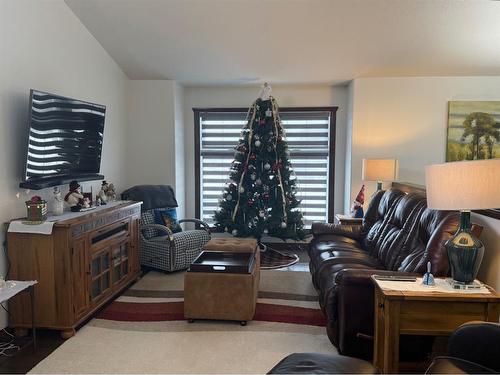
{"x":163,"y":244}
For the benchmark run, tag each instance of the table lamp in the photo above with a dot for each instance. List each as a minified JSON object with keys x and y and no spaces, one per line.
{"x":464,"y":186}
{"x":379,"y":170}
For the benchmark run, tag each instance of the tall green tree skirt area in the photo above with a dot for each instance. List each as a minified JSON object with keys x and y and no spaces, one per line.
{"x":261,"y":198}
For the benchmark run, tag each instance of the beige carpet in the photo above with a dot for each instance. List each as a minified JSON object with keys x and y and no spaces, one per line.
{"x":111,"y":346}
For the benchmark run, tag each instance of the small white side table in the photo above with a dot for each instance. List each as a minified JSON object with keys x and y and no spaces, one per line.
{"x":14,"y":287}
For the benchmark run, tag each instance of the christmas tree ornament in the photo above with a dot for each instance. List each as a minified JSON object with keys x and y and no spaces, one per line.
{"x":265,"y":231}
{"x":253,"y":176}
{"x":234,"y":232}
{"x":229,"y":197}
{"x":258,"y":182}
{"x":226,"y":230}
{"x":262,"y":214}
{"x":283,"y":225}
{"x":269,"y":113}
{"x":269,"y":148}
{"x":257,"y":143}
{"x":242,"y":189}
{"x":267,"y":166}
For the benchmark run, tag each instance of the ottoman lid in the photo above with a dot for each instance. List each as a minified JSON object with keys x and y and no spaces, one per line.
{"x":231,"y":245}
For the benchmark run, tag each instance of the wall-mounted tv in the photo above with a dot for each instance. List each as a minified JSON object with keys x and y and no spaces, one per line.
{"x":64,"y":141}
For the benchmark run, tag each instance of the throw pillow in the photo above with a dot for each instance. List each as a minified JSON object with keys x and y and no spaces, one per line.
{"x":168,"y":217}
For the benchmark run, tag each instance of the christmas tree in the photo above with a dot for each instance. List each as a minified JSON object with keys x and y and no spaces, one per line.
{"x":260,"y":198}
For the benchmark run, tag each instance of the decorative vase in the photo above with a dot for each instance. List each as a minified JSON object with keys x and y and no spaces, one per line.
{"x":465,"y":252}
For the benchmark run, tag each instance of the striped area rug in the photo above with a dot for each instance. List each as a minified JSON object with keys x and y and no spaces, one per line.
{"x":284,"y":296}
{"x":144,"y":331}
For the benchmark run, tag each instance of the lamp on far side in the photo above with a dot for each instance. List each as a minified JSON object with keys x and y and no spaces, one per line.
{"x":464,"y":186}
{"x":379,"y":170}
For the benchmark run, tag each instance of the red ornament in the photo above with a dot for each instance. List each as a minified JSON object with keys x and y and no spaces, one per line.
{"x":253,"y":156}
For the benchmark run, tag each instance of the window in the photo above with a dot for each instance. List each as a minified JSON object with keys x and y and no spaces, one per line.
{"x":310,"y":134}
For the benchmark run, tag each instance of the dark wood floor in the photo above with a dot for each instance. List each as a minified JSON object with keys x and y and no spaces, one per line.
{"x":22,"y":361}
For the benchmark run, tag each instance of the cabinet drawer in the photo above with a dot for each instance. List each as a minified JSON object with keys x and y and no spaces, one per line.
{"x":111,"y":233}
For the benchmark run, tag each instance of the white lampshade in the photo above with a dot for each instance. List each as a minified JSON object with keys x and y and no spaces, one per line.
{"x":379,"y":169}
{"x":464,"y":185}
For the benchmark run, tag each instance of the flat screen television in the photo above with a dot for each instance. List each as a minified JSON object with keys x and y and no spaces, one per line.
{"x":64,"y":141}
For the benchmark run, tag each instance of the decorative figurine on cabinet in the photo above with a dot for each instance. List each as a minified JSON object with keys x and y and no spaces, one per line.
{"x":102,"y":195}
{"x":58,"y":202}
{"x":74,"y":198}
{"x":110,"y":193}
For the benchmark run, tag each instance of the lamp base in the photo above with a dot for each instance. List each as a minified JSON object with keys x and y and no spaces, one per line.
{"x":462,"y":286}
{"x":465,"y":252}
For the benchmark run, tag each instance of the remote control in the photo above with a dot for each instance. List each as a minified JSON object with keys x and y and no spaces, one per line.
{"x":395,"y":278}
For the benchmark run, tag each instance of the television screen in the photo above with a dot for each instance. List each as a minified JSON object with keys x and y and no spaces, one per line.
{"x":65,"y":140}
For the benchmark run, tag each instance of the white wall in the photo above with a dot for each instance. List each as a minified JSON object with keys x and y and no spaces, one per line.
{"x":155,"y":135}
{"x":180,"y":170}
{"x":44,"y":46}
{"x":243,"y":96}
{"x":406,"y":118}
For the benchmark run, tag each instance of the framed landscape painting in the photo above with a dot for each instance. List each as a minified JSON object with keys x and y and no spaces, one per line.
{"x":474,"y":133}
{"x":473,"y":130}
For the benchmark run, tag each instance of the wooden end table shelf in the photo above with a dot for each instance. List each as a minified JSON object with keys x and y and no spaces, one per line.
{"x":423,"y":313}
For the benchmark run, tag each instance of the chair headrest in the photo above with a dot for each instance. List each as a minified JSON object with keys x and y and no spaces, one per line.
{"x":152,"y":196}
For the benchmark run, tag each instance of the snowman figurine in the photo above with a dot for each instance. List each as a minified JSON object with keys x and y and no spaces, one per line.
{"x":58,"y":202}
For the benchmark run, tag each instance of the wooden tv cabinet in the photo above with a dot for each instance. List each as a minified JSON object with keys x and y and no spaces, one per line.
{"x":86,"y":261}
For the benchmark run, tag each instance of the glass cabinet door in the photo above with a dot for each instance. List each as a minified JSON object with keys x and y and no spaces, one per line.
{"x":100,"y":272}
{"x":120,"y":261}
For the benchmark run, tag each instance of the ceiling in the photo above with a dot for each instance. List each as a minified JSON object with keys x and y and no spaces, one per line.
{"x":295,"y":41}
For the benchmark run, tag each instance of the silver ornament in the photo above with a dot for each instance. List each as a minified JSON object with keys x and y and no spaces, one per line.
{"x":265,"y":231}
{"x":267,"y":166}
{"x":258,"y":181}
{"x":234,"y":232}
{"x":257,"y":143}
{"x":283,"y":225}
{"x":229,"y":197}
{"x":242,"y":189}
{"x":253,"y":176}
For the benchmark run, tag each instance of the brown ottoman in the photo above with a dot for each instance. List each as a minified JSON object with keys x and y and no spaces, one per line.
{"x":223,"y":296}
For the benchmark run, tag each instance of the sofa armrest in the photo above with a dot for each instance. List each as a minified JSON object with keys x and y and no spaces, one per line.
{"x":451,"y":365}
{"x":477,"y":342}
{"x":202,"y":223}
{"x":351,"y":231}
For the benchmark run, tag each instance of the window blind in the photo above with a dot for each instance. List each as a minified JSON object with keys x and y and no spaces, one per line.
{"x":307,"y":135}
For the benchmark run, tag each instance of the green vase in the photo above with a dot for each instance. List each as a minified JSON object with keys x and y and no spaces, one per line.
{"x":465,"y":252}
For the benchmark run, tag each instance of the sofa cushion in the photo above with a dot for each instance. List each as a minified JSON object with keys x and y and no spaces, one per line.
{"x":399,"y":230}
{"x":433,"y":230}
{"x":384,"y":210}
{"x":319,"y":363}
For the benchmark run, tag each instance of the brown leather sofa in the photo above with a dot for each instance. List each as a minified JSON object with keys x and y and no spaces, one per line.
{"x":399,"y":234}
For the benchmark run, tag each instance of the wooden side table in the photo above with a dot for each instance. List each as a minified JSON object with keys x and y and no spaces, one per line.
{"x":423,"y":313}
{"x":348,"y":220}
